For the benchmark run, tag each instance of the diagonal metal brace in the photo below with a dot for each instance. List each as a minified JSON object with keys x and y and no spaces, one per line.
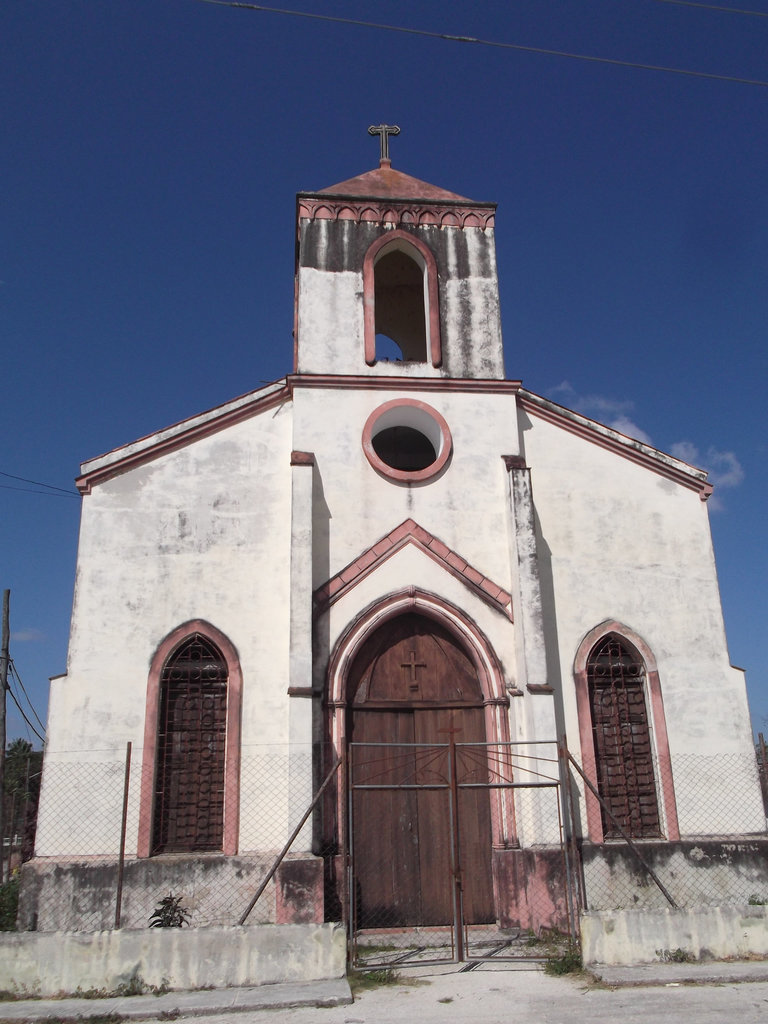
{"x":286,"y":848}
{"x":621,"y":831}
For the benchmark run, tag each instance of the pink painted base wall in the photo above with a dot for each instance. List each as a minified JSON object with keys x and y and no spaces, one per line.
{"x":530,"y":889}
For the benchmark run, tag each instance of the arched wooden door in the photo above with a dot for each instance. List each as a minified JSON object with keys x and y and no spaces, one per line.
{"x":411,"y":686}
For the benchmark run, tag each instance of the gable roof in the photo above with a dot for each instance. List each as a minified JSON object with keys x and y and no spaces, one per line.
{"x":386,"y":183}
{"x":188,"y":431}
{"x":613,"y":440}
{"x":179,"y":435}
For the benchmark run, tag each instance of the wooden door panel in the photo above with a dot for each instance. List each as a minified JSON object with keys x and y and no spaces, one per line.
{"x":385,"y":821}
{"x":413,"y":683}
{"x":411,"y":661}
{"x":435,"y":821}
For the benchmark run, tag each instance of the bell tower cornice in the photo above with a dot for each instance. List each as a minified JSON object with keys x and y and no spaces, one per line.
{"x":383,"y":209}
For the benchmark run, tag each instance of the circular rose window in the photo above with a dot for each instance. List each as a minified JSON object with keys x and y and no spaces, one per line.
{"x":406,"y":440}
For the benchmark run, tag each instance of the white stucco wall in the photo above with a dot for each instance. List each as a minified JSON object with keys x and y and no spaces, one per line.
{"x":620,"y":542}
{"x":205,"y":532}
{"x":355,"y":506}
{"x":331,"y":319}
{"x":170,"y":958}
{"x":200,"y":533}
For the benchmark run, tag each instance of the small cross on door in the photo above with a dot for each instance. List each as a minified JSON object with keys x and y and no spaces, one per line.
{"x":412,"y":665}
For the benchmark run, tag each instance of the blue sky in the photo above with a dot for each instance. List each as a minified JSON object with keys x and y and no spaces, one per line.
{"x":150,"y":156}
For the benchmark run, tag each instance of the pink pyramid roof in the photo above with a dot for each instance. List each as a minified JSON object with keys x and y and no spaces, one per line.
{"x":385,"y":183}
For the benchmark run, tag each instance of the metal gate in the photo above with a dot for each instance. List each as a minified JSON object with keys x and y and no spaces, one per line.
{"x":456,"y":853}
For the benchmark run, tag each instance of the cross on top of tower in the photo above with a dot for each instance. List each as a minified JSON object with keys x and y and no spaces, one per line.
{"x":384,"y":131}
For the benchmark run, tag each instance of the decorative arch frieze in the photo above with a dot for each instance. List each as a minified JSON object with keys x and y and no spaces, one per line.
{"x":412,"y":599}
{"x":462,"y":215}
{"x":409,"y":532}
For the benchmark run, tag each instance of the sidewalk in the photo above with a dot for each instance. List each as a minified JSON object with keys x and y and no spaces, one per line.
{"x":208,"y":1003}
{"x":712,"y":973}
{"x":185,"y":1004}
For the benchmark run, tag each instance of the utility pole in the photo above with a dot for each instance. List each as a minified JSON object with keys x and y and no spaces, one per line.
{"x":4,"y":658}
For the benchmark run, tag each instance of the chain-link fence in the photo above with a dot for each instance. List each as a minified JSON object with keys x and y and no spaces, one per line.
{"x":382,"y":843}
{"x":709,"y":844}
{"x":21,"y":790}
{"x":104,"y":856}
{"x":456,"y":849}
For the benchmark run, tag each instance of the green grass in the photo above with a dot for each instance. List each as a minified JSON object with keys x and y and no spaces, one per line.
{"x":363,"y":981}
{"x":9,"y":904}
{"x":566,"y":961}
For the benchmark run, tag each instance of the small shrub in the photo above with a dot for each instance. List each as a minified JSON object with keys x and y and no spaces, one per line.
{"x":135,"y":986}
{"x":169,"y":913}
{"x":675,"y":956}
{"x":360,"y":981}
{"x":566,"y":962}
{"x":757,"y":901}
{"x":9,"y":904}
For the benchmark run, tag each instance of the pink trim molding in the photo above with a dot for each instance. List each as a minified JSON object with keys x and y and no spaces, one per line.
{"x":384,"y":210}
{"x":614,"y":441}
{"x":165,"y":442}
{"x":401,"y":240}
{"x":402,"y":475}
{"x":358,"y":382}
{"x":302,"y":458}
{"x":665,"y":783}
{"x":409,"y":532}
{"x":232,"y":756}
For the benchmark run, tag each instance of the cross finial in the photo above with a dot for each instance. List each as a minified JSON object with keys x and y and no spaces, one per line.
{"x":384,"y":131}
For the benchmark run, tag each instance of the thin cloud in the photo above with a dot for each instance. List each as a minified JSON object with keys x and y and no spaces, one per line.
{"x":28,"y":636}
{"x":724,"y":468}
{"x":614,"y":412}
{"x":686,"y":451}
{"x":627,"y":426}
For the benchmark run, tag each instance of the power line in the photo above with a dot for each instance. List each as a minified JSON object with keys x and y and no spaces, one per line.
{"x":31,"y":490}
{"x":38,"y":483}
{"x":23,"y":715}
{"x":715,"y":7}
{"x":17,"y":677}
{"x":490,"y":42}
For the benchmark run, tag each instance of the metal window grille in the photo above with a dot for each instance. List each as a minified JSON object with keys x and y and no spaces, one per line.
{"x":623,"y":752}
{"x":189,"y":788}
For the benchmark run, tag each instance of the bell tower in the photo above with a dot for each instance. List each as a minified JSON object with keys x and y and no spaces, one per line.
{"x":396,"y":277}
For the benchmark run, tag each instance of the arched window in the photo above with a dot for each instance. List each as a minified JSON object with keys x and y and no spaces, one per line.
{"x":191,"y":742}
{"x":402,"y":321}
{"x":399,"y":301}
{"x":190,"y":784}
{"x":623,"y":734}
{"x":622,"y":737}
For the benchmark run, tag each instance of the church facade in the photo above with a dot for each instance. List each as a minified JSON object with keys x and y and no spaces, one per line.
{"x":390,"y":564}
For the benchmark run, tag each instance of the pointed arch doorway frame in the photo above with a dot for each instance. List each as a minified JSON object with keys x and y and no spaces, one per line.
{"x":489,"y":729}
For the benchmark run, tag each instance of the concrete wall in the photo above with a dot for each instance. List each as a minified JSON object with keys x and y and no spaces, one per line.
{"x":61,"y":895}
{"x":623,"y":937}
{"x":47,"y":965}
{"x":697,"y":873}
